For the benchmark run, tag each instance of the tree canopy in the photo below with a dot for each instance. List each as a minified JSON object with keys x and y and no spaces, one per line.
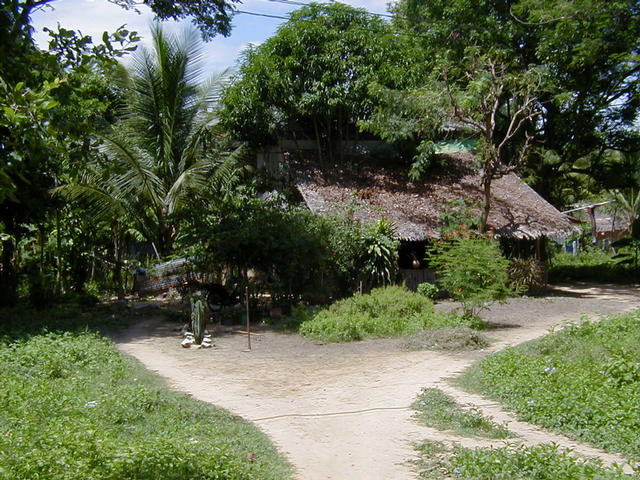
{"x":311,"y":79}
{"x":590,"y":49}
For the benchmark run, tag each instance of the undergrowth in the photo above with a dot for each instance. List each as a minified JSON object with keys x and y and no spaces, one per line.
{"x":385,"y":312}
{"x":437,"y":410}
{"x":583,"y":380}
{"x":591,"y":264}
{"x":72,"y":407}
{"x":541,"y":462}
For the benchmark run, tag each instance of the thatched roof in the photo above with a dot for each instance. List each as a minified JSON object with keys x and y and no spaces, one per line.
{"x":371,"y":193}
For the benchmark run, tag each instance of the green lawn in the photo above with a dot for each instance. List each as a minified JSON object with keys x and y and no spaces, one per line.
{"x":72,"y":407}
{"x":583,"y":381}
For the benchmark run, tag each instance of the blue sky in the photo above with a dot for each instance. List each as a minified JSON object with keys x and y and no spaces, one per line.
{"x":92,"y":17}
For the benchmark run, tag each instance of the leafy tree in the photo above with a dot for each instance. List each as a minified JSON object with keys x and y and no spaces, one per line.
{"x":590,"y":49}
{"x":473,"y":271}
{"x":311,"y":79}
{"x":164,"y":148}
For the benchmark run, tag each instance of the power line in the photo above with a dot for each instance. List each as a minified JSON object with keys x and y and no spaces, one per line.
{"x":267,"y":15}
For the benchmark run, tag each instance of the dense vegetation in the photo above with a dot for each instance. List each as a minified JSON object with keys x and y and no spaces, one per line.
{"x":583,"y":381}
{"x":542,"y":462}
{"x":385,"y":312}
{"x":72,"y":407}
{"x":132,"y":156}
{"x":594,"y":265}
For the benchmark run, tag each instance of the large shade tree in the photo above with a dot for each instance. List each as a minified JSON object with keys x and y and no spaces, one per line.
{"x":311,"y":79}
{"x":590,"y":48}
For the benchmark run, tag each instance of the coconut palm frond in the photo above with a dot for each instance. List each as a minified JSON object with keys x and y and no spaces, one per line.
{"x":193,"y":178}
{"x":230,"y":170}
{"x":138,"y":176}
{"x":99,"y":203}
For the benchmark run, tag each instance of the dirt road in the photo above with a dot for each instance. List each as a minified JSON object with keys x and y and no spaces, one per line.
{"x":342,"y":411}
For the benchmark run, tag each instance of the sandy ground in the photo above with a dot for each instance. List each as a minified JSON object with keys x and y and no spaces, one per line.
{"x":342,"y":411}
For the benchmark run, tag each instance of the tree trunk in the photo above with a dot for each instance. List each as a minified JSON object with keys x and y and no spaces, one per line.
{"x":486,"y":201}
{"x":58,"y":255}
{"x":8,"y":274}
{"x":117,"y":268}
{"x":317,"y":131}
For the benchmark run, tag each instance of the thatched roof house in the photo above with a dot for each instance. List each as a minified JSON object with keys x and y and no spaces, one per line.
{"x":372,"y":192}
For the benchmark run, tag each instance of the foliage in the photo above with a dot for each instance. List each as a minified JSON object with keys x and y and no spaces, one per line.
{"x":472,"y":270}
{"x":429,"y":290}
{"x":385,"y":312}
{"x":448,"y":339}
{"x":162,"y":151}
{"x":381,"y":259}
{"x":591,"y":264}
{"x":73,"y":407}
{"x":583,"y":380}
{"x":526,"y":275}
{"x":298,"y":255}
{"x":311,"y":79}
{"x":436,"y":409}
{"x":540,"y":462}
{"x":590,"y":47}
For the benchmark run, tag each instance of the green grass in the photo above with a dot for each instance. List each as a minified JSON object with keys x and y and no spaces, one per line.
{"x":437,"y":410}
{"x":542,"y":462}
{"x":385,"y":312}
{"x":591,"y":264}
{"x":583,"y":381}
{"x":72,"y":407}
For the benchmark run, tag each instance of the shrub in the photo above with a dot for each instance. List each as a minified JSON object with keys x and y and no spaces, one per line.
{"x":472,"y":270}
{"x":591,"y":264}
{"x":429,"y":290}
{"x":388,"y":311}
{"x":583,"y":380}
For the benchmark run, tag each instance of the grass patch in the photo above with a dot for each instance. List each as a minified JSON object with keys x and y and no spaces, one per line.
{"x":542,"y":462}
{"x":385,"y":312}
{"x":438,"y":410}
{"x":72,"y":407}
{"x":583,"y":381}
{"x":448,"y":339}
{"x":591,"y":264}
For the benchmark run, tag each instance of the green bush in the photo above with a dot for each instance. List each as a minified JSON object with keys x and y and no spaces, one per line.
{"x":472,"y":270}
{"x":541,"y":462}
{"x":583,"y":381}
{"x":429,"y":290}
{"x":72,"y":408}
{"x":298,"y":255}
{"x":385,"y":312}
{"x":591,"y":264}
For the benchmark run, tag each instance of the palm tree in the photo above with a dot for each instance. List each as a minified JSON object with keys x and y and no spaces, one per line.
{"x":164,"y":148}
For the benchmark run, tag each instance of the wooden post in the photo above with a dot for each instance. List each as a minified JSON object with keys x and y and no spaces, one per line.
{"x":246,"y":290}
